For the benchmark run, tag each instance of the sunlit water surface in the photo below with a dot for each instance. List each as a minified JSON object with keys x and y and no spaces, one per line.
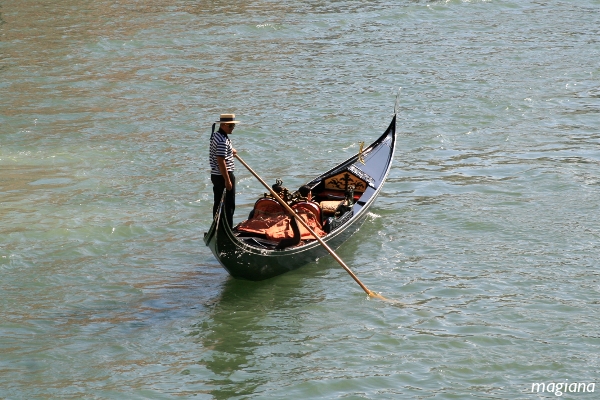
{"x":485,"y":234}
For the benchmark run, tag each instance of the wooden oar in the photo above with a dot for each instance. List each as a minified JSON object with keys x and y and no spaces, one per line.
{"x":304,"y":224}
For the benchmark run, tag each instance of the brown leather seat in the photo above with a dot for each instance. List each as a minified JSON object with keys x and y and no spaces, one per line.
{"x":310,"y":206}
{"x":267,"y":207}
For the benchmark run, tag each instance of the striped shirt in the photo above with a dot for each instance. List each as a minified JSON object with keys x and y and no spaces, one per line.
{"x":220,"y":145}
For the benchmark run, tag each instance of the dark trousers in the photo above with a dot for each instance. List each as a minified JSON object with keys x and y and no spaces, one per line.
{"x":218,"y":187}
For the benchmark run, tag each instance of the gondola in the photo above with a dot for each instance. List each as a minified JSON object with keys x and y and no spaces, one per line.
{"x":353,"y":185}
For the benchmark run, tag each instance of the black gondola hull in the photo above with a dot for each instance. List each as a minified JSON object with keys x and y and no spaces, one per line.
{"x":251,"y":262}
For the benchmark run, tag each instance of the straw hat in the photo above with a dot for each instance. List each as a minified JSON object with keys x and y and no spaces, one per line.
{"x":227,"y":119}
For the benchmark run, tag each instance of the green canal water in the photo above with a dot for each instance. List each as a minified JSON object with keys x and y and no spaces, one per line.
{"x":486,"y":234}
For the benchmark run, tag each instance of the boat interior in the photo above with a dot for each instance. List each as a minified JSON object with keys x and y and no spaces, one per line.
{"x":325,"y":204}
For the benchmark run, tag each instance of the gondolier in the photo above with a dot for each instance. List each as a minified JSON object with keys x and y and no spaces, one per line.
{"x":221,"y":164}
